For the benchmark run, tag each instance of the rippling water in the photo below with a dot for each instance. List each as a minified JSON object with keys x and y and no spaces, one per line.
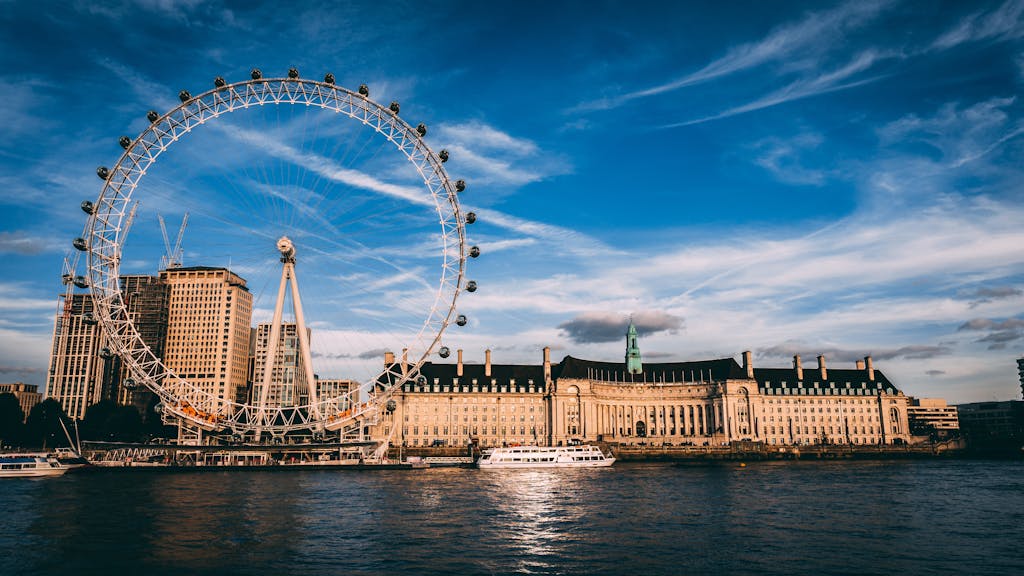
{"x":918,"y":517}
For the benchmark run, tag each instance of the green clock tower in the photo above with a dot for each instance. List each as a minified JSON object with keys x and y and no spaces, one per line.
{"x":633,"y":363}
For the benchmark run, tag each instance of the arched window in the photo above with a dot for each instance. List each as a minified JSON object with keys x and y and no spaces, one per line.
{"x":641,"y":428}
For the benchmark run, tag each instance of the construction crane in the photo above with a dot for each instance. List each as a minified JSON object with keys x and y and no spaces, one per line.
{"x":173,"y":257}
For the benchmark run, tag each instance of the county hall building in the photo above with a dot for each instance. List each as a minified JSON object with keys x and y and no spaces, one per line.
{"x":702,"y":403}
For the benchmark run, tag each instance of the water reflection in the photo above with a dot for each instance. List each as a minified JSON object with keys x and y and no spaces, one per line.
{"x":771,"y":518}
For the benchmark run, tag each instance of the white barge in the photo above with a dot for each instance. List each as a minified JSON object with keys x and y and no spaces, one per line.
{"x":35,"y":465}
{"x":545,"y":457}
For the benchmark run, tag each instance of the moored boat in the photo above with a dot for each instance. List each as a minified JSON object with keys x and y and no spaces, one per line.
{"x":545,"y":457}
{"x":30,"y":465}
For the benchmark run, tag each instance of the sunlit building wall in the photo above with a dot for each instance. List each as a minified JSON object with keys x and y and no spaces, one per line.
{"x":458,"y":404}
{"x":715,"y":402}
{"x":77,"y":373}
{"x":208,"y":325}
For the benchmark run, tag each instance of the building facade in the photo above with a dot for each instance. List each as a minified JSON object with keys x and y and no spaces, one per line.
{"x":81,"y":370}
{"x":346,"y":392}
{"x":703,"y":403}
{"x":288,"y":385}
{"x":27,"y":394}
{"x":993,"y":422}
{"x":208,"y":326}
{"x":714,"y":402}
{"x":932,"y":416}
{"x":458,"y":404}
{"x":146,"y":300}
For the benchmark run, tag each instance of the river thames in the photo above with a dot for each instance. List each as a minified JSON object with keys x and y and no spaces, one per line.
{"x":914,"y":517}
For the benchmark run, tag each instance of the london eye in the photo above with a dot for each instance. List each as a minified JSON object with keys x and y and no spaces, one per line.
{"x":305,"y":174}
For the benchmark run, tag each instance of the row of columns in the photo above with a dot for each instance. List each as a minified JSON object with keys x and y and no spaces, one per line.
{"x":687,"y":419}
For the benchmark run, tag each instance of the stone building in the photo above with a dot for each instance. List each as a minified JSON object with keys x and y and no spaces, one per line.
{"x":714,"y":402}
{"x":27,"y":394}
{"x":457,"y":404}
{"x":702,"y":403}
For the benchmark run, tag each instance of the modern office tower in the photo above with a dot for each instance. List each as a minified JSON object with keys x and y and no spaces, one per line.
{"x":209,"y":313}
{"x":146,"y":300}
{"x":79,"y":375}
{"x":339,"y":389}
{"x":288,"y":380}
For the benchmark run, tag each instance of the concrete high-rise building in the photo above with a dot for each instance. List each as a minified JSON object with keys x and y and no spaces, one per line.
{"x":288,"y":379}
{"x":327,"y":389}
{"x":208,"y":324}
{"x":146,"y":300}
{"x":79,"y":375}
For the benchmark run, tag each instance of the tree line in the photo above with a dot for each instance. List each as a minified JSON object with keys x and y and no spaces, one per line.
{"x":104,"y":421}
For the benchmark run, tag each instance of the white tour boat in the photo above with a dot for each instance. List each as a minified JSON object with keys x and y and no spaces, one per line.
{"x":545,"y":457}
{"x":34,"y":465}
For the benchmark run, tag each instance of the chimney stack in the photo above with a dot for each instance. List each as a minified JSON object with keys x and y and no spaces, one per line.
{"x":458,"y":367}
{"x":405,"y":361}
{"x":547,"y":364}
{"x":860,"y":364}
{"x":748,"y":365}
{"x":799,"y":367}
{"x":821,"y":366}
{"x":870,"y":367}
{"x":487,"y":363}
{"x":389,"y":358}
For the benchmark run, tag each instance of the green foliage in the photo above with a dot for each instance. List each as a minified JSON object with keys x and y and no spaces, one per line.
{"x":43,"y":429}
{"x":108,"y":422}
{"x":11,"y":420}
{"x":153,"y":424}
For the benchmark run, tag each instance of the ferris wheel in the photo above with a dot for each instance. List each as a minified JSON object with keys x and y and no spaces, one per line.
{"x":389,"y":234}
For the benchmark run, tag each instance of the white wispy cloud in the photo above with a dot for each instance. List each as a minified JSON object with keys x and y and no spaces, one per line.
{"x":800,"y":45}
{"x":26,"y":244}
{"x":834,"y":81}
{"x":489,"y":156}
{"x":1002,"y":23}
{"x":782,"y":157}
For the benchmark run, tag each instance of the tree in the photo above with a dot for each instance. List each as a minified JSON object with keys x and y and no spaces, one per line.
{"x":43,"y":429}
{"x":106,"y":421}
{"x":11,"y":420}
{"x":153,"y":426}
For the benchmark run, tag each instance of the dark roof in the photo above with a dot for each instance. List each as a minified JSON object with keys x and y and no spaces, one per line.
{"x":502,"y":375}
{"x":717,"y":370}
{"x":195,"y":269}
{"x":500,"y":372}
{"x":241,"y":285}
{"x":837,"y":378}
{"x":701,"y":370}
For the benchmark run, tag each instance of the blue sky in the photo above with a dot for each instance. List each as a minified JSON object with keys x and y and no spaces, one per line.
{"x":840,"y":178}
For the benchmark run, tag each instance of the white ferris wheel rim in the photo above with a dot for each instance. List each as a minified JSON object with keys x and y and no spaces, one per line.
{"x":108,"y":223}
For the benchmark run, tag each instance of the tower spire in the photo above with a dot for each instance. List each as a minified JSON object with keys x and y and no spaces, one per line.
{"x":633,"y":363}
